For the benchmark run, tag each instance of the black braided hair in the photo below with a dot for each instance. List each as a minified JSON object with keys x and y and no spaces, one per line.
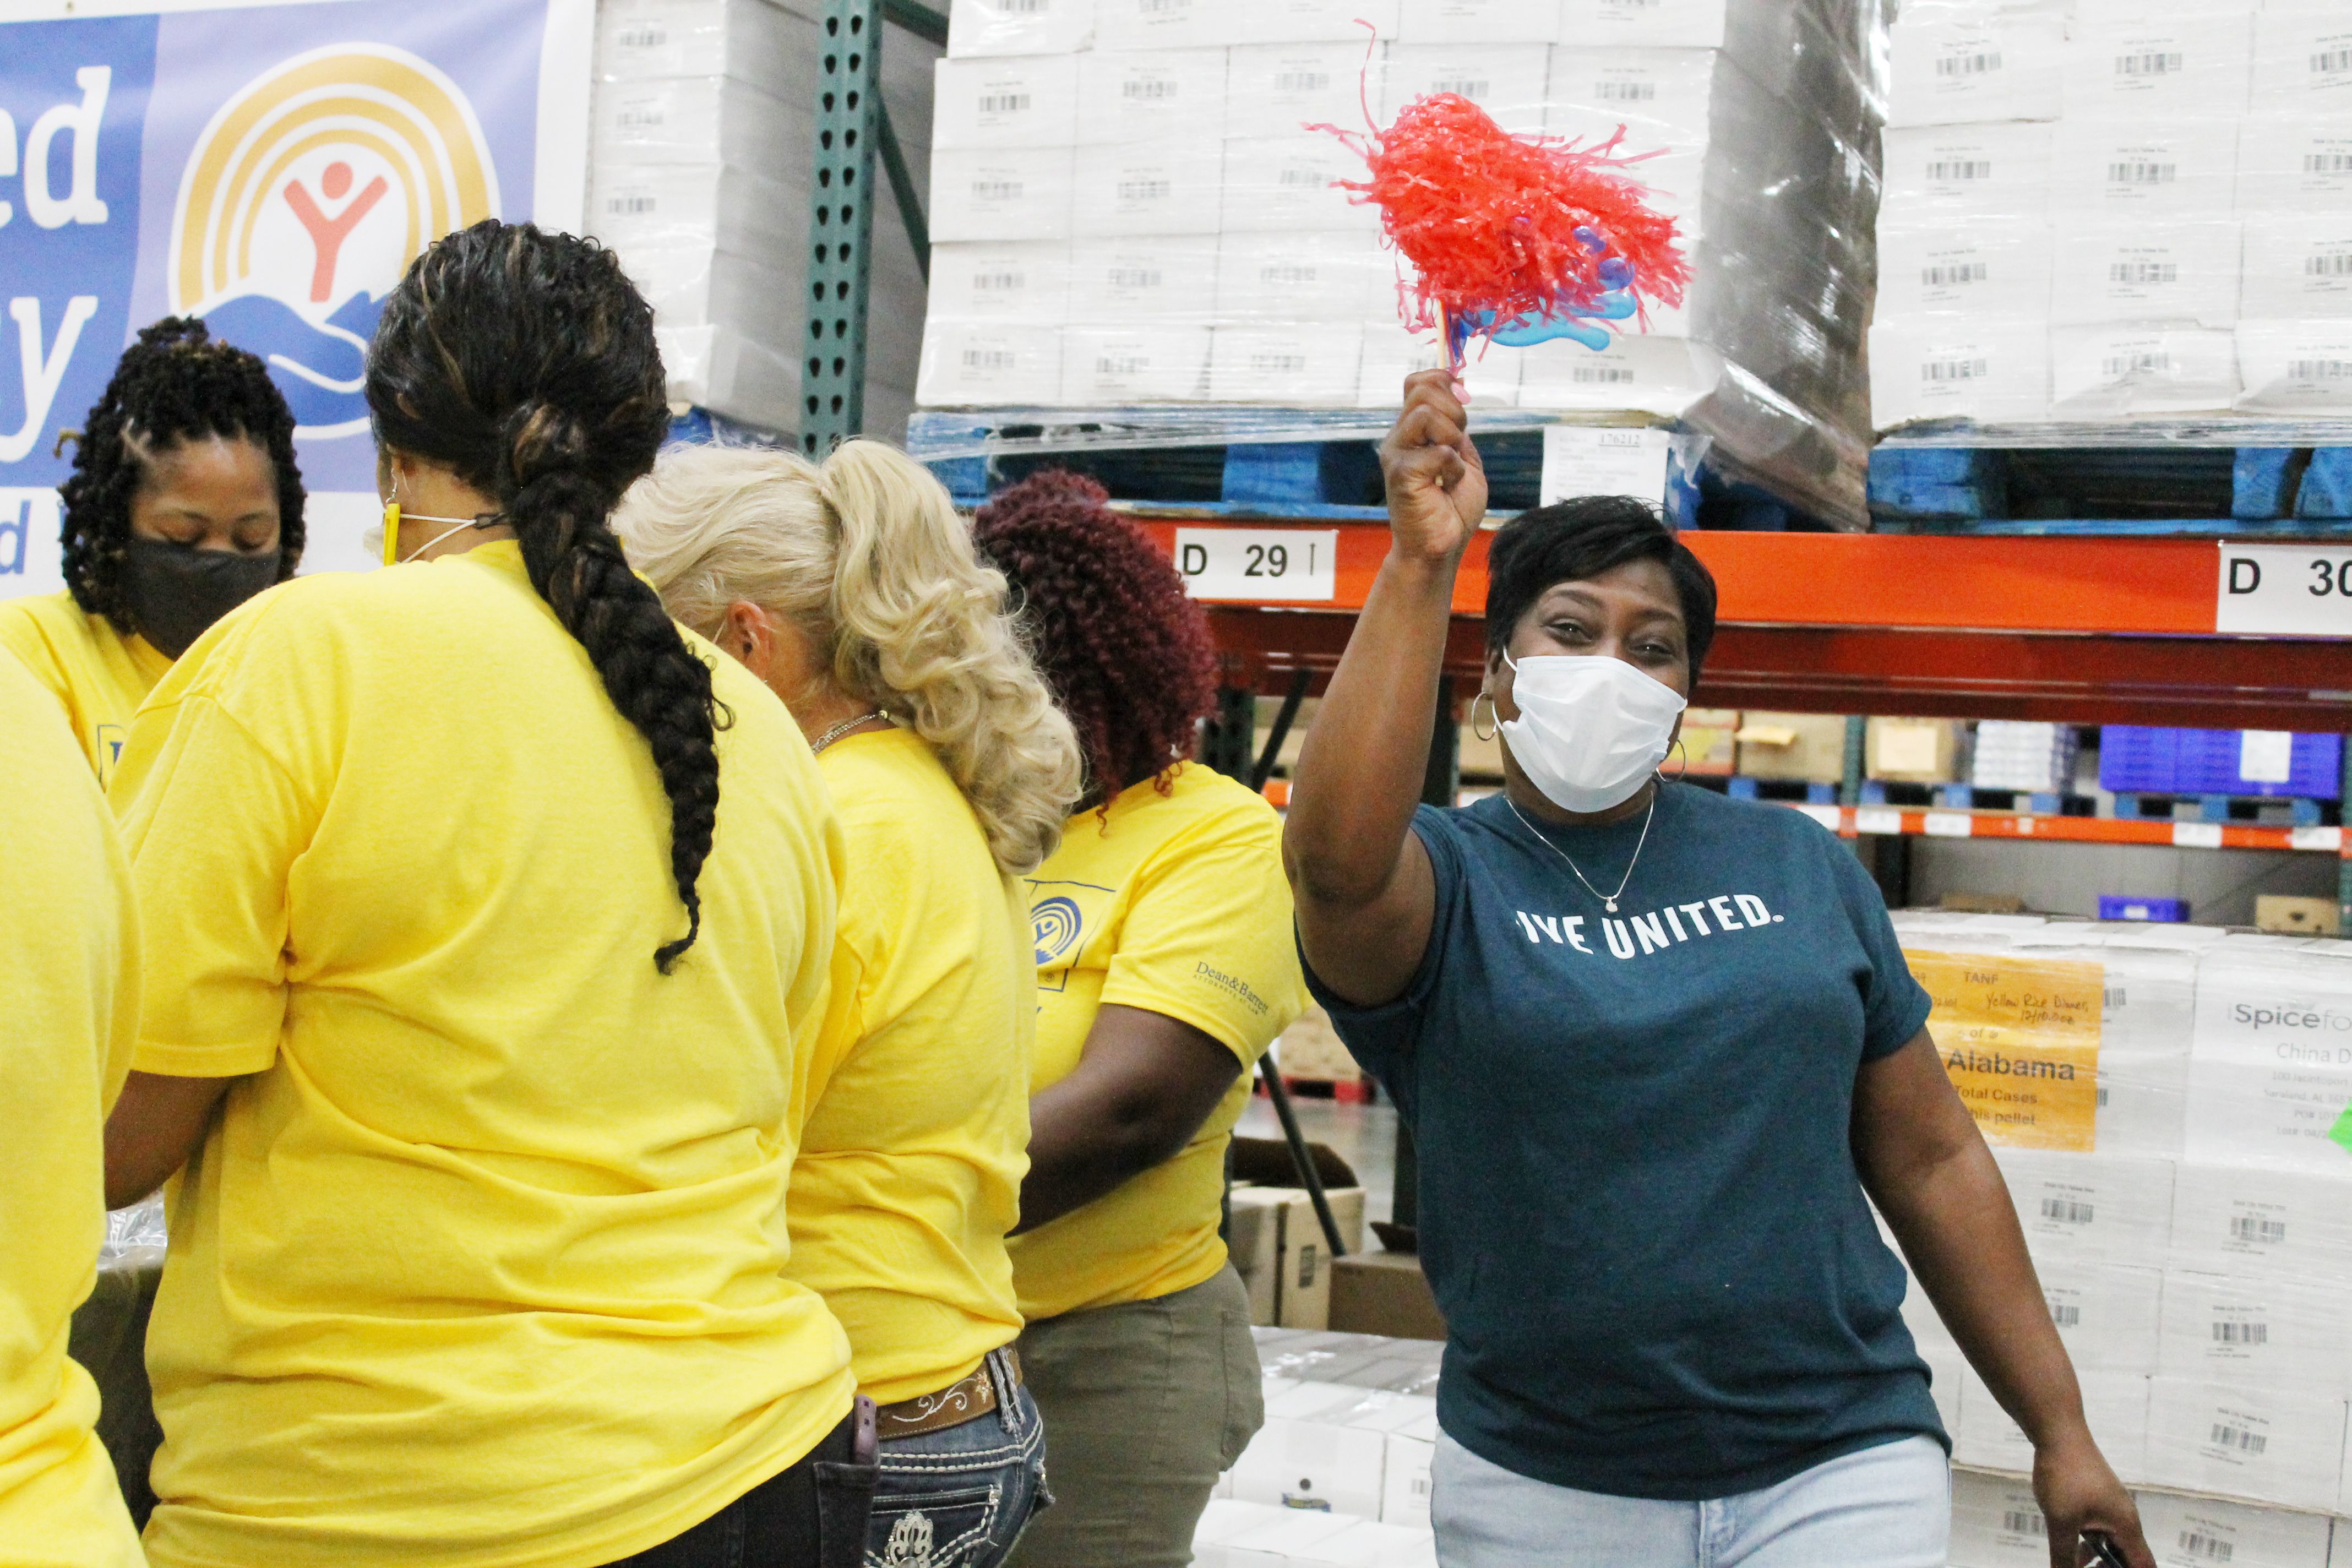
{"x":174,"y":385}
{"x":525,"y":362}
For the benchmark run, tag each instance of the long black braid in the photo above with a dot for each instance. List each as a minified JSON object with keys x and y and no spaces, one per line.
{"x":174,"y":385}
{"x":526,"y":362}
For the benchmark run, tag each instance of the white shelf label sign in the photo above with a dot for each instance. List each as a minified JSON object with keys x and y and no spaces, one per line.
{"x":1949,"y":824}
{"x":2329,"y":839}
{"x":2196,"y":836}
{"x":1828,"y":816}
{"x":2285,"y":590}
{"x":1598,"y":460}
{"x":1286,"y":563}
{"x":1869,"y":820}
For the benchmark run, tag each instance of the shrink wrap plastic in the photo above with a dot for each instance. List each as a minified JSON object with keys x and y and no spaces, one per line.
{"x":1139,"y":128}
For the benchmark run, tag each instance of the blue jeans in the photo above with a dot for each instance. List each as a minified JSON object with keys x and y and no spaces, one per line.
{"x":958,"y":1497}
{"x":1887,"y":1507}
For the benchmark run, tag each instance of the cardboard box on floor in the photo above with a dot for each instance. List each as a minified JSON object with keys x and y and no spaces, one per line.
{"x":2297,"y":917}
{"x":1383,"y":1293}
{"x":1290,"y":1285}
{"x":1311,"y":1048}
{"x":1806,"y":747}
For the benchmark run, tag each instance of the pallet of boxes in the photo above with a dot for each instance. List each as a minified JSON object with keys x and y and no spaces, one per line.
{"x":2172,"y":1109}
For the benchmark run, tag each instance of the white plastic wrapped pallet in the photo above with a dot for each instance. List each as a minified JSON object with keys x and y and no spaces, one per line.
{"x":704,"y":145}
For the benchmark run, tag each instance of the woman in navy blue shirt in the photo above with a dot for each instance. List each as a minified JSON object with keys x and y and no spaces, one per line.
{"x":1659,"y":1051}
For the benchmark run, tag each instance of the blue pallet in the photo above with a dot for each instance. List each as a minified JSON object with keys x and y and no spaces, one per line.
{"x":1740,"y":787}
{"x":2245,"y":490}
{"x":2148,"y":760}
{"x":2161,"y":805}
{"x":1969,"y":797}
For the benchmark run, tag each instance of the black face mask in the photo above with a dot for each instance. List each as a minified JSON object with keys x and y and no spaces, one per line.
{"x":175,"y":591}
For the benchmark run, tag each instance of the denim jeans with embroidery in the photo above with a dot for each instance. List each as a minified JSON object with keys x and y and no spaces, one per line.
{"x":958,"y":1497}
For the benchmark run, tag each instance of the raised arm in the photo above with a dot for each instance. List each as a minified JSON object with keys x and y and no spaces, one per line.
{"x":1361,"y":878}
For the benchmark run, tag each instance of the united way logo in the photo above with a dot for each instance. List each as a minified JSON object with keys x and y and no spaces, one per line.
{"x":1054,"y":923}
{"x":306,"y":198}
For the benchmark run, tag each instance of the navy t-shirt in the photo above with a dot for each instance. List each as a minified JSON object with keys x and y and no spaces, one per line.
{"x":1639,"y":1208}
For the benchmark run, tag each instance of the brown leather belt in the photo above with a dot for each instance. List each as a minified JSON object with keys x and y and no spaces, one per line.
{"x":965,"y":1400}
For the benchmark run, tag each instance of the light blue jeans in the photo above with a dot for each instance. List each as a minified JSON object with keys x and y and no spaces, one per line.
{"x":1887,"y":1507}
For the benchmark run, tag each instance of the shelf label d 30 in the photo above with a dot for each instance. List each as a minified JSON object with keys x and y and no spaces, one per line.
{"x":2285,"y":590}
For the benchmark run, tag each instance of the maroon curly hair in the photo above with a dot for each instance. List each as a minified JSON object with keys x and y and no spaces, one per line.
{"x":1124,"y":648}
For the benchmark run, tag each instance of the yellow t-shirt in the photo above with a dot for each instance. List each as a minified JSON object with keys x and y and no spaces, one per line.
{"x":1176,"y":904}
{"x":69,"y":970}
{"x":98,"y":674}
{"x":483,"y":1265}
{"x":910,"y":1164}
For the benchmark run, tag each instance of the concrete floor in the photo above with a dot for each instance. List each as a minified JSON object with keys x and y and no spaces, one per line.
{"x":1363,"y":1135}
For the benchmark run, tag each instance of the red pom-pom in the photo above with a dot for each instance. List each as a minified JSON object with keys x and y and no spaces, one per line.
{"x":1490,"y":220}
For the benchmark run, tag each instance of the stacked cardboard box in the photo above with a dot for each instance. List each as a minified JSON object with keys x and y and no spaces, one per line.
{"x":1133,"y":209}
{"x":2190,"y":1215}
{"x":2115,"y":209}
{"x":704,"y":148}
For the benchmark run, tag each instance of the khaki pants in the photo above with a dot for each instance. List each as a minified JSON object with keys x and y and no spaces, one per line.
{"x":1146,"y":1404}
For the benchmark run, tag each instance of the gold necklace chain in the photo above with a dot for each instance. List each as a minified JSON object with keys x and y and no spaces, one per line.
{"x":847,"y":725}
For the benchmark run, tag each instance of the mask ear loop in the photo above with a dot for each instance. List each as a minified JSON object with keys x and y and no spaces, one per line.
{"x":1488,"y":698}
{"x":1678,"y":772}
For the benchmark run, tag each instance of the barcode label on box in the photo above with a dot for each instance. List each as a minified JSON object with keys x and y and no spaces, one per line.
{"x":1271,"y":362}
{"x":2067,"y":1211}
{"x":2157,"y":63}
{"x":2211,"y":1548}
{"x":2337,"y":264}
{"x":653,"y":36}
{"x":2241,"y":1333}
{"x":1288,"y":274}
{"x":1303,"y":81}
{"x":1601,"y":375}
{"x":1004,"y":281}
{"x":2024,"y":1521}
{"x":1955,"y":370}
{"x":1302,"y":179}
{"x":2140,"y":171}
{"x":2103,"y":1097}
{"x":1121,"y":365}
{"x":1136,"y":278}
{"x":2255,"y":1228}
{"x":1467,"y":86}
{"x":1626,"y":92}
{"x":995,"y":190}
{"x":1961,"y":169}
{"x":629,"y":203}
{"x":990,"y":359}
{"x":2150,"y":362}
{"x":2143,"y":272}
{"x":2066,"y":1316}
{"x":1977,"y":63}
{"x":1952,"y":274}
{"x":2327,"y":62}
{"x":1146,"y":188}
{"x":2241,"y":1439}
{"x":637,"y":117}
{"x":1003,"y":103}
{"x":1147,"y":89}
{"x":2319,"y":370}
{"x":2328,"y":163}
{"x":1024,"y":8}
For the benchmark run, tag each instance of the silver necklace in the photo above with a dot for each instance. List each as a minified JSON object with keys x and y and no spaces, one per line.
{"x":847,"y":725}
{"x":1608,"y":901}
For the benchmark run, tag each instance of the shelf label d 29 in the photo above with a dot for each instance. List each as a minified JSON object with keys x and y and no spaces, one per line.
{"x":1285,"y":565}
{"x":2285,"y":590}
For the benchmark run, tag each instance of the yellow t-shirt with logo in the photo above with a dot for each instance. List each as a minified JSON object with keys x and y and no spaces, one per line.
{"x":1177,"y":904}
{"x":99,"y":675}
{"x":482,"y":1262}
{"x":911,"y":1159}
{"x":69,"y":970}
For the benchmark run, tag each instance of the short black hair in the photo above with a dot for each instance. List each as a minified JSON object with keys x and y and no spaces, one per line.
{"x":175,"y":385}
{"x":1574,"y":541}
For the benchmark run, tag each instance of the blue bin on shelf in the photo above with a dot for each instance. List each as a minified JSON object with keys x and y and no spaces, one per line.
{"x":2145,"y":760}
{"x":2129,"y":907}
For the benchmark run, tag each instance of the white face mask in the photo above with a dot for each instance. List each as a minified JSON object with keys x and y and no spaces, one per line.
{"x":1590,"y":729}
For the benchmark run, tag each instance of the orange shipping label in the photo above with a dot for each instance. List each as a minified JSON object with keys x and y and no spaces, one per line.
{"x":2021,"y":1041}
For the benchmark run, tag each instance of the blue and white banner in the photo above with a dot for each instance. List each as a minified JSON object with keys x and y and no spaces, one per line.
{"x":272,"y":168}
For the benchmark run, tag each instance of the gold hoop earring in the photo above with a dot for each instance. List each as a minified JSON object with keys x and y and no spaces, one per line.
{"x":1485,"y":734}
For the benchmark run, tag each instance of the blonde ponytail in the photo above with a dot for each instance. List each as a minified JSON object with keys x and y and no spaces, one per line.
{"x":868,"y":557}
